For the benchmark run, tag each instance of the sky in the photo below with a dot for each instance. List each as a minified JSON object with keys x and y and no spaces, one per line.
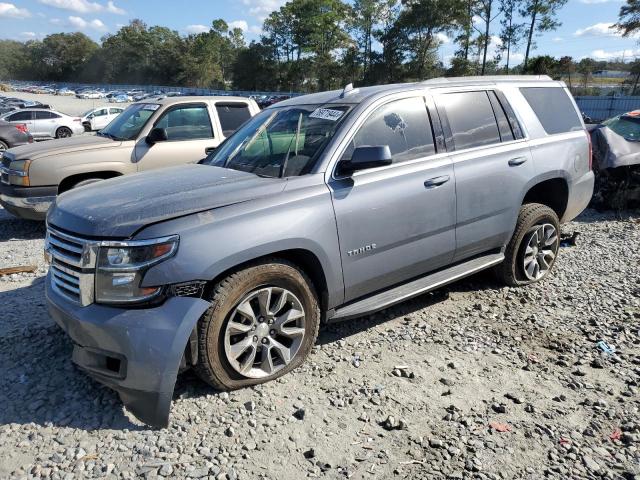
{"x":585,"y":29}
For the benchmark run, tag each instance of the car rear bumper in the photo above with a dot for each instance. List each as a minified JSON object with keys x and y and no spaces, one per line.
{"x":31,"y":203}
{"x":136,"y":352}
{"x":580,"y":193}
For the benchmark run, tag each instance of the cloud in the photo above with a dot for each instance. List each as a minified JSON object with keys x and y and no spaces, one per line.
{"x":603,"y":29}
{"x":84,"y":6}
{"x":28,"y":35}
{"x":557,"y":39}
{"x":601,"y":54}
{"x":245,"y":27}
{"x":443,"y":38}
{"x":82,"y":24}
{"x":262,"y":8}
{"x":196,"y":28}
{"x":9,"y":10}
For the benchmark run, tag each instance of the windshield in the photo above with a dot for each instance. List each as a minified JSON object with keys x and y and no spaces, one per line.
{"x":128,"y":124}
{"x":625,"y":126}
{"x":282,"y":142}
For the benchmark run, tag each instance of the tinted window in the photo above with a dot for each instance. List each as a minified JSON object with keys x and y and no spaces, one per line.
{"x":471,"y":119}
{"x":232,"y":115}
{"x":554,"y":109}
{"x":186,"y":122}
{"x":100,"y":113}
{"x":503,"y":124}
{"x":403,"y":125}
{"x":20,"y":117}
{"x":46,"y":115}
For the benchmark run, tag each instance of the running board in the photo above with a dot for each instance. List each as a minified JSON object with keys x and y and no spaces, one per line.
{"x":417,"y":287}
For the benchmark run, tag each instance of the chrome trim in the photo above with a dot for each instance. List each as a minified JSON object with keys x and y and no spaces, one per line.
{"x":37,"y":204}
{"x":61,"y":247}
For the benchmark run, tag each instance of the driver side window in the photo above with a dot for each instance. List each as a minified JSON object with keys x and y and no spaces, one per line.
{"x":403,"y":125}
{"x":187,"y":122}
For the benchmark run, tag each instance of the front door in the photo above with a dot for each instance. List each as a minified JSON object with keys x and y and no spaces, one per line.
{"x":395,"y":222}
{"x":493,"y":164}
{"x":190,"y":136}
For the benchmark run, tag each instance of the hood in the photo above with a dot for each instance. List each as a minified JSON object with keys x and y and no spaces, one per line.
{"x":612,"y":150}
{"x":121,"y":206}
{"x":63,"y":146}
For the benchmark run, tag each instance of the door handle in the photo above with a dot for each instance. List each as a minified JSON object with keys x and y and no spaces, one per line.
{"x":514,"y":162}
{"x":208,"y":150}
{"x":436,"y":181}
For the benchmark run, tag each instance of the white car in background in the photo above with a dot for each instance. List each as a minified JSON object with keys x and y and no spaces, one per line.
{"x":92,"y":94}
{"x":98,"y":118}
{"x":43,"y":123}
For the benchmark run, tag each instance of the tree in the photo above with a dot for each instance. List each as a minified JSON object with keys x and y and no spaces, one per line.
{"x":586,"y":66}
{"x":254,"y":68}
{"x":366,"y":15}
{"x":15,"y":62}
{"x":629,"y":17}
{"x":483,"y":11}
{"x":541,"y":17}
{"x":542,"y":65}
{"x":566,"y":66}
{"x":62,"y":56}
{"x":420,"y":23}
{"x":512,"y":32}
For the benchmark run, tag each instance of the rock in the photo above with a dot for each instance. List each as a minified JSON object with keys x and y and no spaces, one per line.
{"x":590,"y":463}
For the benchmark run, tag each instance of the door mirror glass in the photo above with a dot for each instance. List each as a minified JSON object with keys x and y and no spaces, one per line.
{"x":367,"y":157}
{"x":157,"y":135}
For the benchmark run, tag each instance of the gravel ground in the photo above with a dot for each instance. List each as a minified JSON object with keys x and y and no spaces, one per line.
{"x":68,"y":105}
{"x":474,"y":381}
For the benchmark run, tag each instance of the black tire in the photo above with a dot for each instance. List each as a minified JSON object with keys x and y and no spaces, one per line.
{"x":531,"y":216}
{"x":213,"y":366}
{"x":63,"y":132}
{"x":3,"y":146}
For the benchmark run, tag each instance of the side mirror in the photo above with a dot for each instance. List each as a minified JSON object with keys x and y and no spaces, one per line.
{"x":157,"y":135}
{"x":367,"y":157}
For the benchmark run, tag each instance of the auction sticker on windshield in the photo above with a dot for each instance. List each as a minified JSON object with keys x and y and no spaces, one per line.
{"x":151,"y":106}
{"x":326,"y":114}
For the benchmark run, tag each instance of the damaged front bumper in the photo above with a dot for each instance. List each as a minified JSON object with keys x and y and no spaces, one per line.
{"x":136,"y":352}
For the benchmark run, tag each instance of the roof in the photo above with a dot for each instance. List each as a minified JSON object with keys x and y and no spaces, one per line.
{"x":162,"y":100}
{"x":358,"y":95}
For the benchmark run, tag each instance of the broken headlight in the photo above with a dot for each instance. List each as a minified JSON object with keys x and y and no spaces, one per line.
{"x":121,"y":267}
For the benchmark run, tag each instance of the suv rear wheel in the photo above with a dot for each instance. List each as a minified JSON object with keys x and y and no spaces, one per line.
{"x":262,"y":324}
{"x":533,"y":248}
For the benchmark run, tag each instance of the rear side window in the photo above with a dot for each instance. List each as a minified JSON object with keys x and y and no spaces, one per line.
{"x":20,"y":117}
{"x":46,"y":115}
{"x":232,"y":115}
{"x":553,"y":108}
{"x":471,"y":118}
{"x":403,"y":125}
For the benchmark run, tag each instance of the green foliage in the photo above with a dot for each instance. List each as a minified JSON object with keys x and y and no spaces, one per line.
{"x":629,"y":17}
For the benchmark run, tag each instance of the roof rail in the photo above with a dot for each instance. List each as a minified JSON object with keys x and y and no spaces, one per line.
{"x":490,"y":78}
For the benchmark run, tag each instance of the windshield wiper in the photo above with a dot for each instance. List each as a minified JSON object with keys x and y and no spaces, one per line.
{"x":109,"y":135}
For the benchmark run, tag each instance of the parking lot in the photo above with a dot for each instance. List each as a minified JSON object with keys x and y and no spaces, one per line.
{"x":474,"y":381}
{"x":69,"y":104}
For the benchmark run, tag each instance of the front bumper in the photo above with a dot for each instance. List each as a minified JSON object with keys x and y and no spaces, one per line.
{"x":136,"y":352}
{"x":31,"y":203}
{"x":580,"y":193}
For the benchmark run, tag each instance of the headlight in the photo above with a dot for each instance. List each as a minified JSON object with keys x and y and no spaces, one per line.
{"x":19,"y":172}
{"x":121,"y":267}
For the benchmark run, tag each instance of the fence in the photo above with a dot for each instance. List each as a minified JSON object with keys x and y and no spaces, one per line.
{"x":152,"y":88}
{"x":601,"y":108}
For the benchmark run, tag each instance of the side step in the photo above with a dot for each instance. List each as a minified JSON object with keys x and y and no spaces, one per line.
{"x":417,"y":287}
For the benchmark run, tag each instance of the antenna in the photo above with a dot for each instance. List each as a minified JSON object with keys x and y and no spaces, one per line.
{"x":348,"y":90}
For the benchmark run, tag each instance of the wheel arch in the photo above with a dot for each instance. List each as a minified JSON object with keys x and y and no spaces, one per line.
{"x":68,"y":182}
{"x":550,"y":190}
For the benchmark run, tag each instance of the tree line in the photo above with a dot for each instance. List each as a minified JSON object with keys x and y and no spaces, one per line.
{"x":306,"y":45}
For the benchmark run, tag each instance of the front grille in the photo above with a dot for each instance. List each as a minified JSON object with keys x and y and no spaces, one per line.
{"x":73,"y":262}
{"x":6,"y":161}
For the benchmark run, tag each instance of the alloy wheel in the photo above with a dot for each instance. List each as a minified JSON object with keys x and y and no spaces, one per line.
{"x":540,"y":252}
{"x":264,"y":332}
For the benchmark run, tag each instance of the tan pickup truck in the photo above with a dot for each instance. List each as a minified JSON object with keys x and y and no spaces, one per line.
{"x":154,"y":133}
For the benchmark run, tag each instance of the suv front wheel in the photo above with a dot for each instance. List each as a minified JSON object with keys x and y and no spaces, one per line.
{"x":533,"y":248}
{"x":262,"y":323}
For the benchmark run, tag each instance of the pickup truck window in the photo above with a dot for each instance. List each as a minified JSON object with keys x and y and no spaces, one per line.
{"x":403,"y":125}
{"x":281,"y":142}
{"x":471,"y":118}
{"x":186,"y":122}
{"x":231,"y":116}
{"x":129,"y":123}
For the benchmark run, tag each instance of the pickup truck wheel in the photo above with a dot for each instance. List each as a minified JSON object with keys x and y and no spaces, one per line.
{"x":63,"y":132}
{"x":262,"y":324}
{"x":533,"y":248}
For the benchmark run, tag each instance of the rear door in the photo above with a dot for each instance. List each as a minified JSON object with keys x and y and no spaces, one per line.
{"x":395,"y":222}
{"x":45,"y":124}
{"x":190,"y":136}
{"x":492,"y":163}
{"x":231,"y":115}
{"x":23,"y":116}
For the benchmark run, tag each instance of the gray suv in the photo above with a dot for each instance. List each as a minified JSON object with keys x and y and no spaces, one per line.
{"x":321,"y":208}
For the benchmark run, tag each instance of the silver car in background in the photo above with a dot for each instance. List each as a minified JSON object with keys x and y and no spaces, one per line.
{"x":43,"y":123}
